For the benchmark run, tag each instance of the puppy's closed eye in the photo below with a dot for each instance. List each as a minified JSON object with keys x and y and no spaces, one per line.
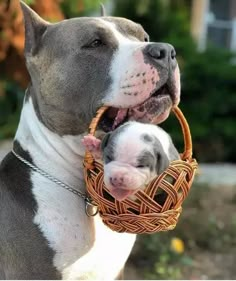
{"x":145,"y":160}
{"x":141,"y":166}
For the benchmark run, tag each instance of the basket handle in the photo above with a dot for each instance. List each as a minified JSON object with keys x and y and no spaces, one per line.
{"x":186,"y":155}
{"x":88,"y":157}
{"x":95,"y":120}
{"x":188,"y":148}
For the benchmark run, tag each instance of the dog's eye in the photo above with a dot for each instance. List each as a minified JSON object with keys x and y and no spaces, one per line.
{"x":146,"y":39}
{"x":96,"y":43}
{"x":141,"y":166}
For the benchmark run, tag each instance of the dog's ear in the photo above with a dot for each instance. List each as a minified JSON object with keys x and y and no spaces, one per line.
{"x":162,"y":160}
{"x":105,"y":141}
{"x":35,"y":26}
{"x":103,"y":11}
{"x":162,"y":163}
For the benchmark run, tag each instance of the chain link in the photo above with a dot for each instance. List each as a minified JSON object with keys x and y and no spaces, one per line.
{"x":46,"y":175}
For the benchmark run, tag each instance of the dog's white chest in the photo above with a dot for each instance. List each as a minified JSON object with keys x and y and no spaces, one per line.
{"x":85,"y":248}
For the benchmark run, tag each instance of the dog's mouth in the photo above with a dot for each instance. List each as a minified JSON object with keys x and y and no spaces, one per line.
{"x":121,"y":194}
{"x":153,"y":110}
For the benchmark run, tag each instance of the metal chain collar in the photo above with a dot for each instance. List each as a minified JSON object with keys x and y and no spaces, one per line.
{"x":89,"y":204}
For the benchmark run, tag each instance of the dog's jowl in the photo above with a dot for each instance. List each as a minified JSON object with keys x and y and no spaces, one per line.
{"x":75,"y":66}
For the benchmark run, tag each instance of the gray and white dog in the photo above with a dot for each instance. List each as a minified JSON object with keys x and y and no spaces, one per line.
{"x":75,"y":66}
{"x":133,"y":155}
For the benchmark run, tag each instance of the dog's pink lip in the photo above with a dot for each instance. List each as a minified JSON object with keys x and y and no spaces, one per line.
{"x":159,"y":115}
{"x":121,"y":194}
{"x":161,"y":118}
{"x":115,"y":116}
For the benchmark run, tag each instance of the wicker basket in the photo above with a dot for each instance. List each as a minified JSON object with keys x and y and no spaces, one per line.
{"x":144,"y":215}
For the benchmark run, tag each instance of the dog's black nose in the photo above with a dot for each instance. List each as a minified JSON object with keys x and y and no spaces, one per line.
{"x":162,"y":53}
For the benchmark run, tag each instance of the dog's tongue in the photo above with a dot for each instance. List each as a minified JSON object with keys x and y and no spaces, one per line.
{"x":120,"y":194}
{"x":120,"y":116}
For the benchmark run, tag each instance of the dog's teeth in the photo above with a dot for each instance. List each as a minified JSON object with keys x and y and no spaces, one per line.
{"x":115,"y":124}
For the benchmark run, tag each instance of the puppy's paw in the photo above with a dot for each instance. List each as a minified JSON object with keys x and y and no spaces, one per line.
{"x":93,"y":145}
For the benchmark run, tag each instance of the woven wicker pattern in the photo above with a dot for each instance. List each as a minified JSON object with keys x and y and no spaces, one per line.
{"x":147,"y":214}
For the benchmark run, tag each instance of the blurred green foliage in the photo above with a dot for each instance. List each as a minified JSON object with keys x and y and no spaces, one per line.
{"x":156,"y":258}
{"x":208,"y":78}
{"x":10,"y":108}
{"x":75,"y":8}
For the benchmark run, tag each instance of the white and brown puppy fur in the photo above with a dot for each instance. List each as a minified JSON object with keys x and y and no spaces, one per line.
{"x":133,"y":155}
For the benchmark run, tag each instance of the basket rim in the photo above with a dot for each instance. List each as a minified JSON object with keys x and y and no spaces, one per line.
{"x":185,"y":156}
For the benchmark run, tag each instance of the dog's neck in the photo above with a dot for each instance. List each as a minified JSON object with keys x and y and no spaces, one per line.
{"x":60,"y":157}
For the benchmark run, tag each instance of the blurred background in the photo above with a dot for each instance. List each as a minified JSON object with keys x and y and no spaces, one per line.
{"x":203,"y":33}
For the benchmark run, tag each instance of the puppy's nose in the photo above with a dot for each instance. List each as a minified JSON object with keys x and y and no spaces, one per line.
{"x":161,"y":53}
{"x":116,"y":181}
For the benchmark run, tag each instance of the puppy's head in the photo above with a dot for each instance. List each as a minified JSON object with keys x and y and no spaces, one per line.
{"x":80,"y":64}
{"x":133,"y":155}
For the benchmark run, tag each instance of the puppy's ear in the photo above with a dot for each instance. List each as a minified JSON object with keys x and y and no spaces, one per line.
{"x":35,"y":26}
{"x":162,"y":162}
{"x":173,"y":153}
{"x":105,"y":141}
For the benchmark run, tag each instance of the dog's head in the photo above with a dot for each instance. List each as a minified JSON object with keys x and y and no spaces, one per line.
{"x":81,"y":64}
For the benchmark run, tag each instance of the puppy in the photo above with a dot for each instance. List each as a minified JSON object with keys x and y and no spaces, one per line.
{"x":133,"y":155}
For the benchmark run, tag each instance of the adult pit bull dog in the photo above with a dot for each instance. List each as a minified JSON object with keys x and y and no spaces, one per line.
{"x":75,"y":66}
{"x":133,"y":155}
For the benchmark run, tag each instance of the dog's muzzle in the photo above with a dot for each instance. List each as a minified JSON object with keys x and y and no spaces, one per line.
{"x":155,"y":106}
